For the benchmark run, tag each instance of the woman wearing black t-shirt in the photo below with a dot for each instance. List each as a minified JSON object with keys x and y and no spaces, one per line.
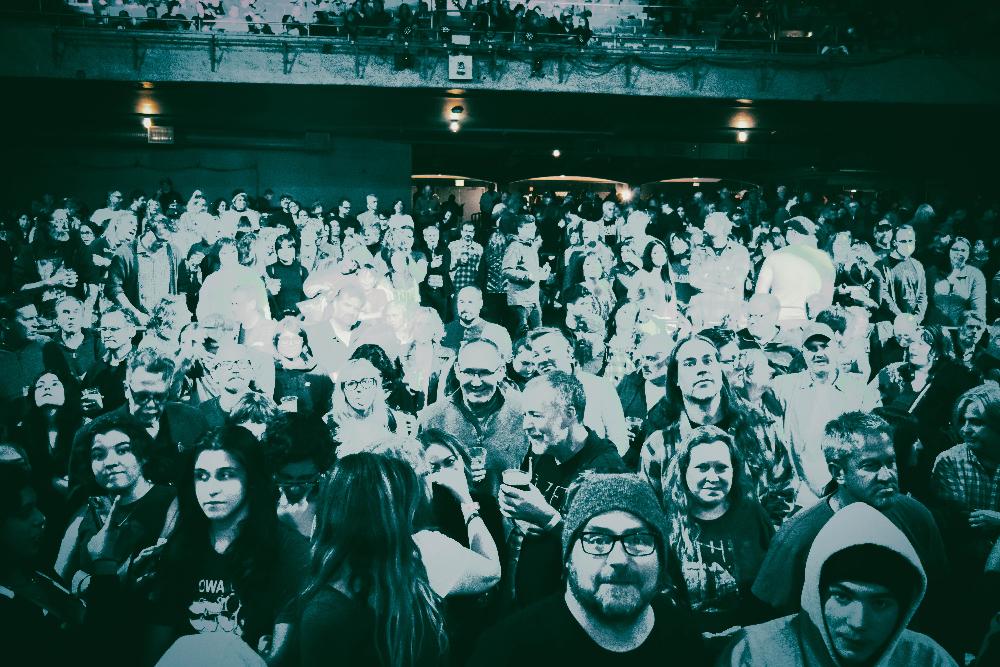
{"x":230,"y":566}
{"x":718,"y":530}
{"x":367,"y":599}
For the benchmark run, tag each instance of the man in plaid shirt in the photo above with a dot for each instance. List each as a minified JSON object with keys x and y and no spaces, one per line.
{"x":465,"y":256}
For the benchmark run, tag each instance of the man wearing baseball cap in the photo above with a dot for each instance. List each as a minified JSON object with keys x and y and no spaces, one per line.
{"x":812,"y":398}
{"x":614,"y":557}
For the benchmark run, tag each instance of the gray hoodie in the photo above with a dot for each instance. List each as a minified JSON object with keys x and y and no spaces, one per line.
{"x":802,"y":639}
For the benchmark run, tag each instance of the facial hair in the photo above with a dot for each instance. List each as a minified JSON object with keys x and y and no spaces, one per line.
{"x":620,"y":604}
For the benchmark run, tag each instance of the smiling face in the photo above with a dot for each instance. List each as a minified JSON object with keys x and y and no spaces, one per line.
{"x":552,"y":353}
{"x":49,"y":391}
{"x":860,"y":618}
{"x":59,"y":225}
{"x":479,"y":369}
{"x":431,"y":237}
{"x":113,"y":463}
{"x":289,"y":345}
{"x":699,"y":373}
{"x":709,"y":476}
{"x":219,"y":484}
{"x":469,"y":304}
{"x":547,"y":422}
{"x":819,"y":353}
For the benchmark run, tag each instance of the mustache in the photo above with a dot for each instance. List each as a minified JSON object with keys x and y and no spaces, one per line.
{"x":620,"y":578}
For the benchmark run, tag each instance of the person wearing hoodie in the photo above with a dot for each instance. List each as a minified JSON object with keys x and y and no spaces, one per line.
{"x":863,"y":584}
{"x":859,"y":451}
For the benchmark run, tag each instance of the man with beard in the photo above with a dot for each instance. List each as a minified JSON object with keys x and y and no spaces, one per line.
{"x":55,"y":263}
{"x":861,"y":458}
{"x":470,"y":326}
{"x":562,"y":448}
{"x":554,"y":351}
{"x":811,"y":398}
{"x":614,"y":559}
{"x":762,"y":332}
{"x":904,"y":283}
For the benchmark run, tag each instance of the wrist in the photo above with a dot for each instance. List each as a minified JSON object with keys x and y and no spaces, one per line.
{"x":553,"y":523}
{"x":468,"y":509}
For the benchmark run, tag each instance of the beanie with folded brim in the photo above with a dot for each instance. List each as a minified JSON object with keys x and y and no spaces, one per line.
{"x":600,"y":493}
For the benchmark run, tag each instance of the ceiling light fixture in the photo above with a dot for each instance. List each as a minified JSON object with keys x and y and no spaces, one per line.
{"x":147,"y":122}
{"x":742,"y":137}
{"x":454,"y":126}
{"x":556,"y":153}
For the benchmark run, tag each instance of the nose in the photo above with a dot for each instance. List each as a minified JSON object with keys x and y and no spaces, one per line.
{"x":711,"y":476}
{"x":886,"y":474}
{"x":855,"y":616}
{"x":617,"y":555}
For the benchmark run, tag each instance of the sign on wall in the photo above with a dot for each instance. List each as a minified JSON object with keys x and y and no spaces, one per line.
{"x":460,"y":68}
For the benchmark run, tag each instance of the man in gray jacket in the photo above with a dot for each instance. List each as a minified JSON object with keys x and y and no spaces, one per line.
{"x":480,"y":414}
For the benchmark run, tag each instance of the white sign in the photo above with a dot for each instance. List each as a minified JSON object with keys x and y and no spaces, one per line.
{"x":460,"y":68}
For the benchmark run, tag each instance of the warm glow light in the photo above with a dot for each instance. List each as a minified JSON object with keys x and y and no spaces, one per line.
{"x":454,"y":126}
{"x":742,"y":120}
{"x":147,"y":123}
{"x":459,"y":183}
{"x":742,"y":137}
{"x":556,"y":153}
{"x":696,"y":184}
{"x":626,"y":194}
{"x":745,"y":101}
{"x":147,"y":107}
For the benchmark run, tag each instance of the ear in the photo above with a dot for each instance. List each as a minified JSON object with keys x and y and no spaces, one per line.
{"x":837,"y":472}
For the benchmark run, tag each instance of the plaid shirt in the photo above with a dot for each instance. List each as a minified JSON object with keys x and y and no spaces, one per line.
{"x":463,"y":275}
{"x":495,"y":251}
{"x":960,"y":482}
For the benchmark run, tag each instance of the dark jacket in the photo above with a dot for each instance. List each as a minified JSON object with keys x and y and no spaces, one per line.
{"x":123,"y":276}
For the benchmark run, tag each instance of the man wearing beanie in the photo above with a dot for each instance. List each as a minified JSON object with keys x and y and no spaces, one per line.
{"x":614,"y":564}
{"x":863,"y":584}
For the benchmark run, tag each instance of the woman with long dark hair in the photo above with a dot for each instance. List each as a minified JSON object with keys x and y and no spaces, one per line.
{"x":367,"y":599}
{"x":698,"y":394}
{"x":718,"y":530}
{"x":230,"y":565}
{"x":926,"y":385}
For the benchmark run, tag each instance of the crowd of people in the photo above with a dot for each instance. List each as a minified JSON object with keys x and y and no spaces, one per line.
{"x":738,"y":428}
{"x":846,"y":27}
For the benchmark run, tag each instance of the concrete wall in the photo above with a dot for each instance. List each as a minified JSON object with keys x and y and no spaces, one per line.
{"x":351,"y":168}
{"x":149,"y":56}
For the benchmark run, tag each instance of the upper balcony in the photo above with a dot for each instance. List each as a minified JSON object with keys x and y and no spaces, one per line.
{"x":705,"y":48}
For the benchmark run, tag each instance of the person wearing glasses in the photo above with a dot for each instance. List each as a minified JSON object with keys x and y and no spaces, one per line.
{"x":174,"y":427}
{"x":104,"y":384}
{"x":962,"y":287}
{"x":614,"y":557}
{"x":484,"y":412}
{"x":359,"y":415}
{"x":717,"y":529}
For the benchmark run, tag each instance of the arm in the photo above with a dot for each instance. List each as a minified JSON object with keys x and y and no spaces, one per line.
{"x":886,"y":288}
{"x":978,"y":297}
{"x":921,"y":293}
{"x":613,"y":417}
{"x":765,"y":278}
{"x":511,"y":270}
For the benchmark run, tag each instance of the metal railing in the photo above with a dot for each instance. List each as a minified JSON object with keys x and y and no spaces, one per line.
{"x":483,"y":30}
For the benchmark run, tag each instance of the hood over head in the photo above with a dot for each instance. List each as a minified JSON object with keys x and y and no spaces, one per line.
{"x":860,"y":525}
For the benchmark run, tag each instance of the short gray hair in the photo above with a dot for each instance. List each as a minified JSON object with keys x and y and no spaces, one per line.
{"x":568,"y":389}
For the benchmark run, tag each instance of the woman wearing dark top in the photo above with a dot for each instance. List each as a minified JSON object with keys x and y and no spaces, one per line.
{"x":230,"y":565}
{"x":455,"y":503}
{"x":398,"y":397}
{"x":367,"y":601}
{"x":718,"y":530}
{"x":54,"y":416}
{"x":290,"y":274}
{"x":296,"y":374}
{"x":926,"y":385}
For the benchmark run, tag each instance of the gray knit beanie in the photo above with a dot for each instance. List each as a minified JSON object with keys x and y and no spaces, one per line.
{"x":598,"y":493}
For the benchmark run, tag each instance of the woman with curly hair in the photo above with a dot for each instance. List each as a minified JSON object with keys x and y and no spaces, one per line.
{"x":367,"y":599}
{"x":718,"y":530}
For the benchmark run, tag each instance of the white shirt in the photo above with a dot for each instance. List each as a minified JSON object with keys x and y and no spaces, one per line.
{"x":793,"y":274}
{"x":231,"y":219}
{"x":604,"y":415}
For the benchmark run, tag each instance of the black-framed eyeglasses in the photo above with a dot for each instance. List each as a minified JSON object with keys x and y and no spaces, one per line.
{"x":634,"y":544}
{"x":143,"y":397}
{"x":363,"y":383}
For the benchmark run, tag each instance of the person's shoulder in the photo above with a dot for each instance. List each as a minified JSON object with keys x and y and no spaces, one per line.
{"x":292,"y":546}
{"x":956,"y":453}
{"x":915,"y":648}
{"x":532,"y":626}
{"x":805,"y":525}
{"x":910,"y":510}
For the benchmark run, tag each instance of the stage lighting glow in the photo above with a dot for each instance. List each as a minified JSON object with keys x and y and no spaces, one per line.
{"x":459,"y":183}
{"x":742,"y":137}
{"x":556,"y":153}
{"x":147,"y":122}
{"x":454,"y":126}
